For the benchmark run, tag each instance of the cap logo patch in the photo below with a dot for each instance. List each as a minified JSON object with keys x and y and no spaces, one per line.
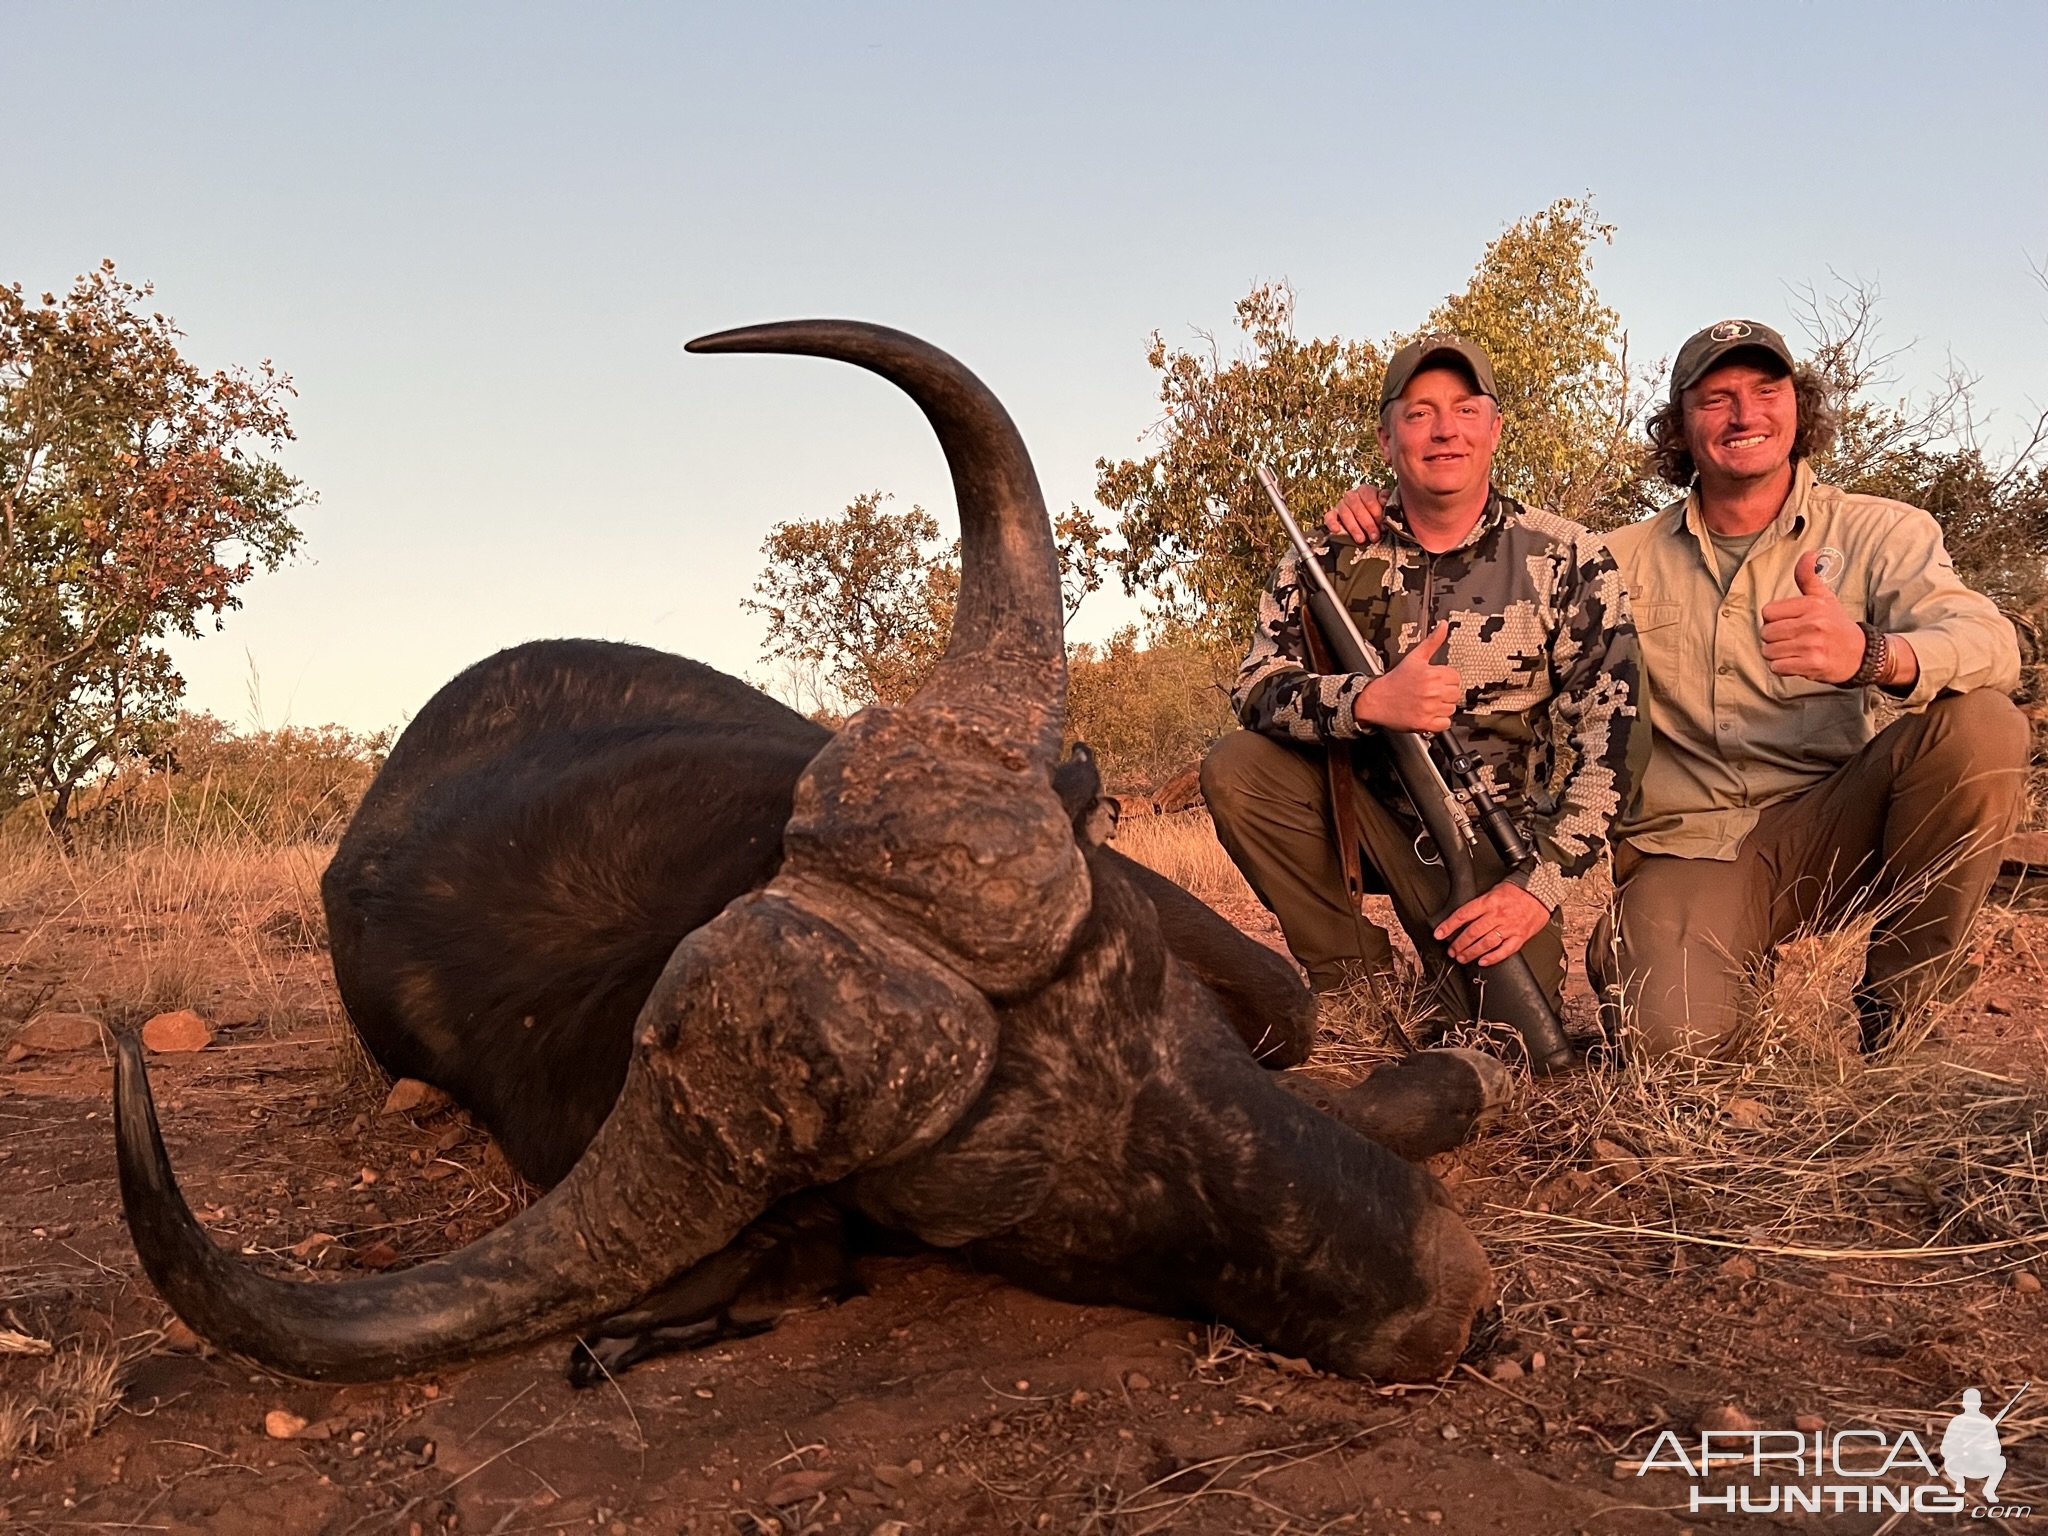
{"x":1732,"y":330}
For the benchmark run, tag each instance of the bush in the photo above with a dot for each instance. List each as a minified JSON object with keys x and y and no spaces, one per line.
{"x":1148,"y":711}
{"x":209,"y":782}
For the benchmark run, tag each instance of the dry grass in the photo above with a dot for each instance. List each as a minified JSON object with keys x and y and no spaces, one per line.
{"x":72,"y":1396}
{"x":1798,"y":1146}
{"x":1183,"y":848}
{"x":187,"y":923}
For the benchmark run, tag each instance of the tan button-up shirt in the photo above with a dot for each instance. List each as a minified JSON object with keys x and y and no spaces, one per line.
{"x":1728,"y":735}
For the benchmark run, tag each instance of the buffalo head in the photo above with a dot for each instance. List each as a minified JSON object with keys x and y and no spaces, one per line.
{"x":943,"y":1006}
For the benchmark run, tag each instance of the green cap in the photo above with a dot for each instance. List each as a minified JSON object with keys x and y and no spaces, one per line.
{"x":1705,"y":349}
{"x":1411,"y":359}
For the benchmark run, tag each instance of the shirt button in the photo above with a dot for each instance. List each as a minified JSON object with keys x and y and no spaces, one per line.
{"x":1725,"y":725}
{"x":1724,"y":669}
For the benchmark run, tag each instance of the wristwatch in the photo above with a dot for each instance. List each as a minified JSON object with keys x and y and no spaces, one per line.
{"x":1877,"y":656}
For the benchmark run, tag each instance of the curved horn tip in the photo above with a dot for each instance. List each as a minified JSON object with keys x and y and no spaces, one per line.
{"x":750,"y":338}
{"x":815,"y":337}
{"x":131,"y":1077}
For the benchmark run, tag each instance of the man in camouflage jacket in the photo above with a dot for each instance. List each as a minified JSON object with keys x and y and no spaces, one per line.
{"x":1538,"y":675}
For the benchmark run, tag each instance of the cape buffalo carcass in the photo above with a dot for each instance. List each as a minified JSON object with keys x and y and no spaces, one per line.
{"x":891,"y":971}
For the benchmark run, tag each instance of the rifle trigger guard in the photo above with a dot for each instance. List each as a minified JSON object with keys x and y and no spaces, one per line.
{"x":1426,"y":849}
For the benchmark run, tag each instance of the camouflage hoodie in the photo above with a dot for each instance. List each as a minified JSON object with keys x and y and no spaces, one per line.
{"x":1541,"y":635}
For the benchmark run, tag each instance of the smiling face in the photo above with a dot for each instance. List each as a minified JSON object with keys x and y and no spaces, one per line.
{"x":1740,"y":421}
{"x":1439,"y":435}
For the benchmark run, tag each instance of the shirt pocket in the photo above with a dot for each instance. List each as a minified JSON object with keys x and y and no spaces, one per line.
{"x":1649,"y":616}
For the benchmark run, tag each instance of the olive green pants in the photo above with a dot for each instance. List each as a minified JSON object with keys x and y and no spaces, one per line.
{"x":1271,"y":805}
{"x":1910,"y":829}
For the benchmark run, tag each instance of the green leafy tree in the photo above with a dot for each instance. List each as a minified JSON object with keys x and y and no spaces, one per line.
{"x":1198,"y":534}
{"x":859,"y":606}
{"x":1560,"y":358}
{"x":861,"y":602}
{"x":137,"y":493}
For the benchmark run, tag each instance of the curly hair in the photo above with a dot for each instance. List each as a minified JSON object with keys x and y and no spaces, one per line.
{"x":1815,"y":434}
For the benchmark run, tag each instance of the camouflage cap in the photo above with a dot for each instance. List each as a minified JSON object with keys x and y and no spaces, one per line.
{"x":1410,"y":360}
{"x":1705,"y":349}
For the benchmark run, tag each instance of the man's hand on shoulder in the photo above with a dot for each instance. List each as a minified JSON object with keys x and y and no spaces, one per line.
{"x":1811,"y":635}
{"x":1357,"y":516}
{"x":1416,"y":694}
{"x":1489,"y":928}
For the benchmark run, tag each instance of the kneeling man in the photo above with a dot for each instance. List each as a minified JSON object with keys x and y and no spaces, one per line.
{"x":1507,"y":622}
{"x":1780,"y":619}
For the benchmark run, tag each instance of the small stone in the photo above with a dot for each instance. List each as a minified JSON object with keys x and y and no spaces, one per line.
{"x":894,"y":1478}
{"x":1994,"y":1006}
{"x":2027,"y":1283}
{"x":311,"y":1243}
{"x":1138,"y":1381}
{"x":617,"y":1528}
{"x":1023,"y":1386}
{"x":1450,"y":1432}
{"x":890,"y":1528}
{"x":1505,"y":1370}
{"x":1539,"y":1361}
{"x":54,"y":1033}
{"x":368,"y":1176}
{"x":181,"y":1030}
{"x":180,"y":1339}
{"x":1808,"y":1423}
{"x":411,"y":1096}
{"x":281,"y":1424}
{"x":15,"y":1052}
{"x":1432,"y":1517}
{"x":1077,"y":1397}
{"x":1726,"y":1417}
{"x":1737,"y":1268}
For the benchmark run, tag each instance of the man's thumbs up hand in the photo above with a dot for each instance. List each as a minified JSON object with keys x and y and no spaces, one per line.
{"x":1416,"y":695}
{"x":1811,"y":635}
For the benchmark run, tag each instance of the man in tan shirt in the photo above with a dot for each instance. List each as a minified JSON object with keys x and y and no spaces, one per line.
{"x":1777,"y":616}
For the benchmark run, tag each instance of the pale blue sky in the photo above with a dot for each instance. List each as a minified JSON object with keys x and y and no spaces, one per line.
{"x":476,"y":235}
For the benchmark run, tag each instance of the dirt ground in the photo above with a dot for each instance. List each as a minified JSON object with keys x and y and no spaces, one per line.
{"x":941,"y":1401}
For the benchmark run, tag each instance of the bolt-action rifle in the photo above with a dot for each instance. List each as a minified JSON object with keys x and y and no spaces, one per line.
{"x":1447,"y":814}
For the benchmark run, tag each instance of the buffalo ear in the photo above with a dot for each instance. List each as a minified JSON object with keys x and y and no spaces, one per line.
{"x":1078,"y":783}
{"x":1098,"y":826}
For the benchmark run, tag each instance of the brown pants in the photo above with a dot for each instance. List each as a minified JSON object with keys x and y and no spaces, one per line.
{"x":1271,"y":805}
{"x":1910,"y":828}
